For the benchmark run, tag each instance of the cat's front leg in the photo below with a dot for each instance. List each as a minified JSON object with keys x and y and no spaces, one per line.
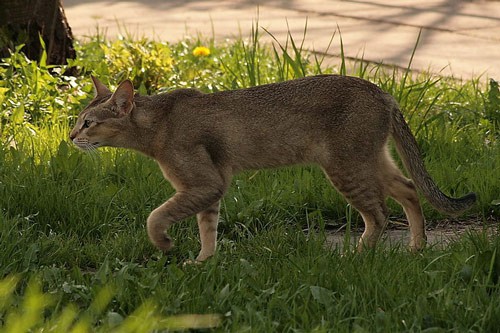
{"x":182,"y":205}
{"x":207,"y":224}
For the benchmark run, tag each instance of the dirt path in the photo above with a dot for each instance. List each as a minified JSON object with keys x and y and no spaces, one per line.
{"x":439,"y":233}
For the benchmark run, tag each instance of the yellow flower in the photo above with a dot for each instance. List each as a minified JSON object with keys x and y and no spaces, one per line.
{"x":201,"y":51}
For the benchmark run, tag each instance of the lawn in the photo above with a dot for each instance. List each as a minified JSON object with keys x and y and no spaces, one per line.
{"x":74,"y":252}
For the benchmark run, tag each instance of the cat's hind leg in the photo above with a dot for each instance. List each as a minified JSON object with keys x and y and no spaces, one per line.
{"x":404,"y":192}
{"x":364,"y":192}
{"x":375,"y":220}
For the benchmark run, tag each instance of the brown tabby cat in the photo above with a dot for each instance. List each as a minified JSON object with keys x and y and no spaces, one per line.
{"x":200,"y":140}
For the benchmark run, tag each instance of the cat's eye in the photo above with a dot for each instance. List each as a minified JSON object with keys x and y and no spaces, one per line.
{"x":86,"y":123}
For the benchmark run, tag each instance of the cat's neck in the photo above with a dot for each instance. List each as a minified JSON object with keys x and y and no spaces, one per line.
{"x":141,"y":128}
{"x":148,"y":120}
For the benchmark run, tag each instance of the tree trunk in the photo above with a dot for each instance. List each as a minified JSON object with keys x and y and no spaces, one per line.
{"x":25,"y":21}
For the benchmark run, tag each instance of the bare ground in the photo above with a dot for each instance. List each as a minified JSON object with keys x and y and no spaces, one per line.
{"x":439,"y":233}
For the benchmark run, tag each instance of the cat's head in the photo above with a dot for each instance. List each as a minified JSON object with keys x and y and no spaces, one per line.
{"x":104,"y":121}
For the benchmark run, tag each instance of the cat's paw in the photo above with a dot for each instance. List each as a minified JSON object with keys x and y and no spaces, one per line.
{"x":163,"y":243}
{"x":198,"y":261}
{"x":417,"y":245}
{"x":190,"y":262}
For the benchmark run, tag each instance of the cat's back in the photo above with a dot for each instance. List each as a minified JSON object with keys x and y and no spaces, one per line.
{"x":308,"y":93}
{"x":324,"y":100}
{"x":326,"y":83}
{"x":311,"y":92}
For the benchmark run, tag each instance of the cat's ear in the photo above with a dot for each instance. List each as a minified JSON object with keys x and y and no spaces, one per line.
{"x":99,"y":88}
{"x":123,"y":98}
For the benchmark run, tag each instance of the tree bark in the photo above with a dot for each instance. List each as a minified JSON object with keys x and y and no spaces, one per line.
{"x":25,"y":21}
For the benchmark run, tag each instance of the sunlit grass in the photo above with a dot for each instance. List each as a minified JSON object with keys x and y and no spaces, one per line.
{"x":74,"y":251}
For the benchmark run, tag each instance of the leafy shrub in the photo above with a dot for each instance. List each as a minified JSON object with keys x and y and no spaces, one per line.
{"x":32,"y":93}
{"x":144,"y":61}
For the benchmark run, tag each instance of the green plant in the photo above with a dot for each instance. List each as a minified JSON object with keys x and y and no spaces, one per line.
{"x":146,"y":62}
{"x":33,"y":94}
{"x":75,"y":254}
{"x":492,"y":107}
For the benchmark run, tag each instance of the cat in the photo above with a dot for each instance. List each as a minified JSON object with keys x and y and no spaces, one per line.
{"x":200,"y":140}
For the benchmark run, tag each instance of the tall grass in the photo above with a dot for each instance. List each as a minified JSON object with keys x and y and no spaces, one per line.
{"x":75,"y":255}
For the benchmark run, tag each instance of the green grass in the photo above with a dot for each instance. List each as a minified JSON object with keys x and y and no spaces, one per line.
{"x":74,"y":251}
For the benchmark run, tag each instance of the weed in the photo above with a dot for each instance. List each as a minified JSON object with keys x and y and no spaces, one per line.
{"x":75,"y":255}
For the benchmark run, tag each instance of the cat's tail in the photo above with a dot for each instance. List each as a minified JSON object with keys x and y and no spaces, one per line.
{"x":407,"y":148}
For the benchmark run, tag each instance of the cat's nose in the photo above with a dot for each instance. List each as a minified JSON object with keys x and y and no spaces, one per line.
{"x":72,"y":136}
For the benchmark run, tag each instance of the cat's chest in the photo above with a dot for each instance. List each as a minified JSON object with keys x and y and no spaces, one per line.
{"x":170,"y":174}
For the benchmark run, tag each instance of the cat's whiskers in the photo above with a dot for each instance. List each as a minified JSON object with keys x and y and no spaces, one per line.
{"x":94,"y":155}
{"x":92,"y":149}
